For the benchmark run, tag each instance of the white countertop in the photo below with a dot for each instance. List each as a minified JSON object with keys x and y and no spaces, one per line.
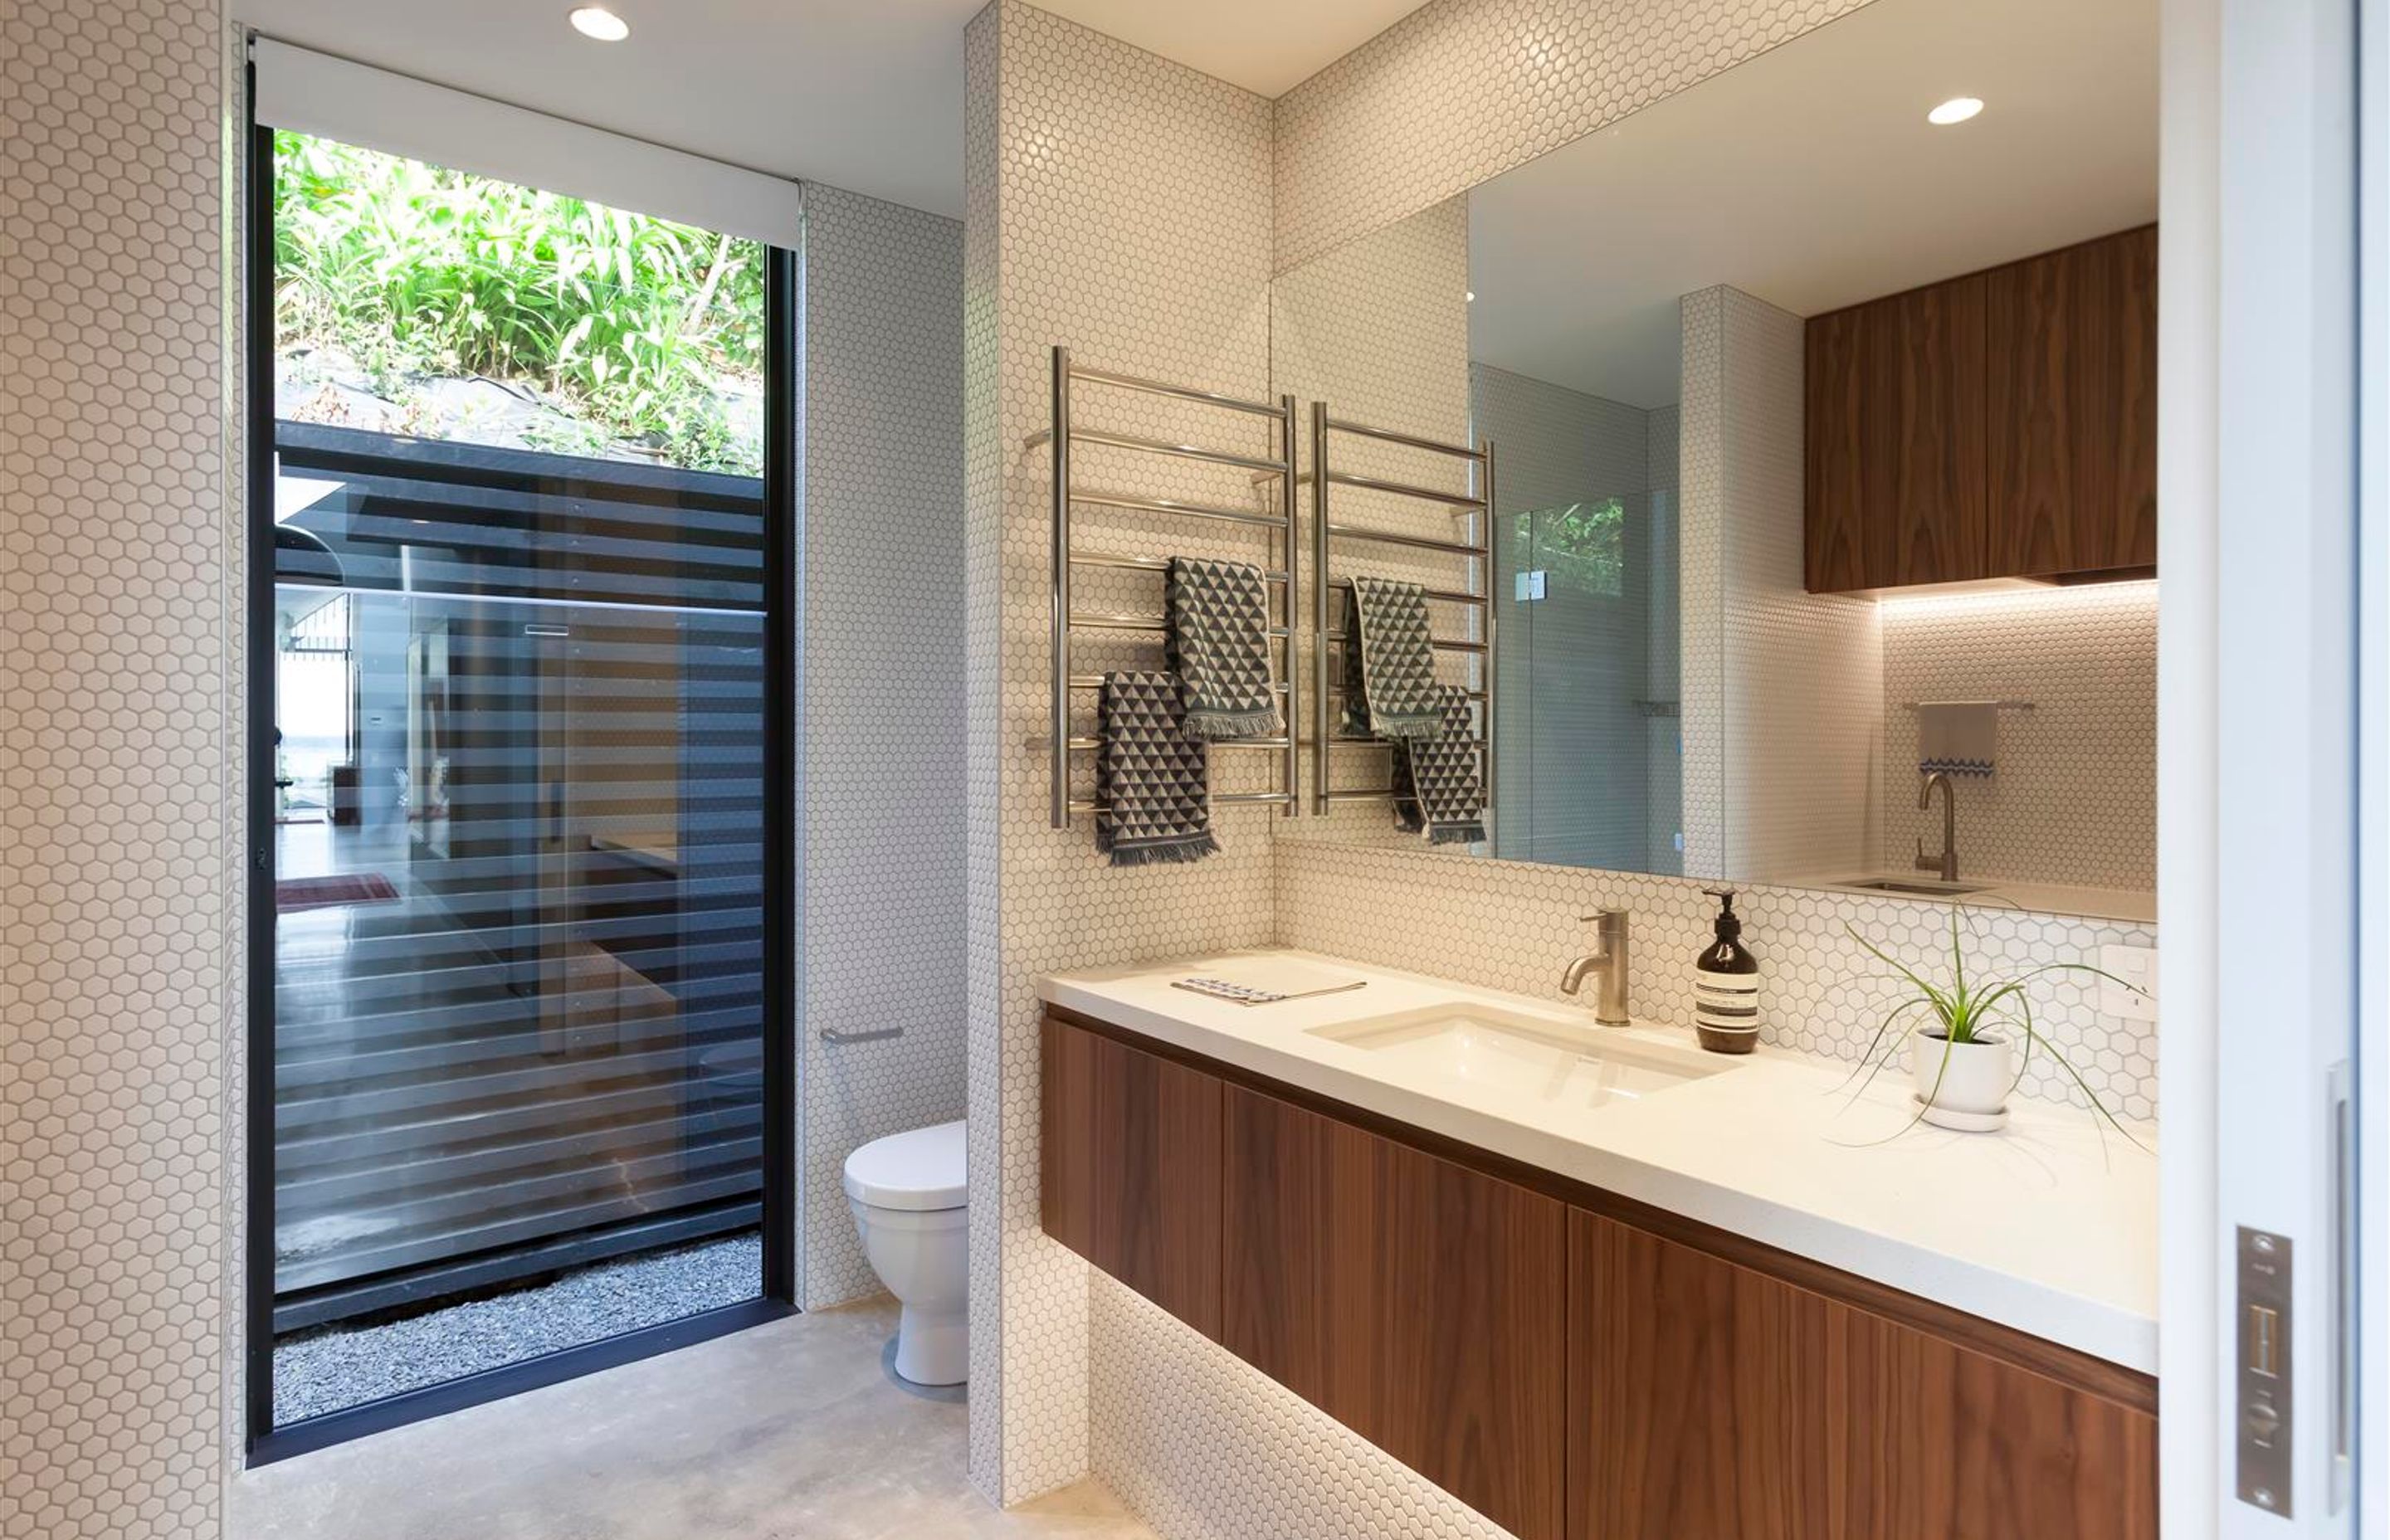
{"x":2131,"y":905}
{"x":2044,"y":1227}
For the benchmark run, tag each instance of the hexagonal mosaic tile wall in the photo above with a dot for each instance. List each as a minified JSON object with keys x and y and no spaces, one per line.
{"x":1378,"y":328}
{"x":1118,"y":204}
{"x":115,"y":576}
{"x":1509,"y":925}
{"x":1782,"y":687}
{"x":883,"y":696}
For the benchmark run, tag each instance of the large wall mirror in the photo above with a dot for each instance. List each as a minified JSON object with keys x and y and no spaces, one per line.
{"x":1822,"y":395}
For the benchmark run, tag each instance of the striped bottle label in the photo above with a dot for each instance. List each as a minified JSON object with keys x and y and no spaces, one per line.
{"x":1730,"y":1000}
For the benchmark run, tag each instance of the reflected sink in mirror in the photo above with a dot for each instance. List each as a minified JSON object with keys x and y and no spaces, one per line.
{"x":1549,"y":1061}
{"x":1903,"y":885}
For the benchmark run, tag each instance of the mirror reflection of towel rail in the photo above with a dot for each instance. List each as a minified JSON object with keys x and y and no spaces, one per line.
{"x":832,"y":1035}
{"x":1997,"y":705}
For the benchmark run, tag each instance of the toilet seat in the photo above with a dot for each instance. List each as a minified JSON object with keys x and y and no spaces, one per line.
{"x":920,"y":1169}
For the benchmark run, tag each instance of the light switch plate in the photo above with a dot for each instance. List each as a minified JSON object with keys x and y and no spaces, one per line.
{"x":2138,"y":965}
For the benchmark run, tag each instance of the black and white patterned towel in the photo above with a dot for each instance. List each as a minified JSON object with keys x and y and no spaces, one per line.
{"x":1436,"y":787}
{"x":1220,"y":644}
{"x":1152,"y":776}
{"x":1390,"y":688}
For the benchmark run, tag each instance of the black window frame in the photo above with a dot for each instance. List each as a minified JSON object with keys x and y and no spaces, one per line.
{"x":263,"y":1441}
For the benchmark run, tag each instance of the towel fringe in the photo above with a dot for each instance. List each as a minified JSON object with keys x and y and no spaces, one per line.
{"x":1165,"y":853}
{"x":1213,"y":726}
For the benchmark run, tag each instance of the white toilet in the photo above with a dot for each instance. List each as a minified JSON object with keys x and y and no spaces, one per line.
{"x":908,"y":1195}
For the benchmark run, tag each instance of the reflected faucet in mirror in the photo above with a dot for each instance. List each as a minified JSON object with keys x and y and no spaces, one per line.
{"x":1945,"y":864}
{"x":1608,"y":959}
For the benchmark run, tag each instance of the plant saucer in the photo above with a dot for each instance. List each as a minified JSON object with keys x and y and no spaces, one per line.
{"x":1964,"y":1123}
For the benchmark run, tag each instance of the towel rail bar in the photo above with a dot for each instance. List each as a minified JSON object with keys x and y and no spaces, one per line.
{"x":1478,"y":504}
{"x":1082,"y":742}
{"x":1096,"y":682}
{"x":1283,"y":573}
{"x":1442,"y":643}
{"x":1337,"y":691}
{"x":1164,"y":387}
{"x":1416,"y":542}
{"x":1405,"y":489}
{"x":1172,"y":504}
{"x":1463,"y":451}
{"x":1149,"y":564}
{"x":1222,"y":799}
{"x":1443,"y":596}
{"x":1158,"y":624}
{"x":1182,"y":451}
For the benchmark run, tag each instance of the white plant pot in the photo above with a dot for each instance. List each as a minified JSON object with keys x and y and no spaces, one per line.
{"x":1961,"y":1084}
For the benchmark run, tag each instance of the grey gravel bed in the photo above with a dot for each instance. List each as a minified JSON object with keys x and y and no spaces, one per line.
{"x":326,"y":1368}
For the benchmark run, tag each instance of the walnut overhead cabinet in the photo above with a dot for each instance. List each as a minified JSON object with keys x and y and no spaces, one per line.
{"x":2001,"y":424}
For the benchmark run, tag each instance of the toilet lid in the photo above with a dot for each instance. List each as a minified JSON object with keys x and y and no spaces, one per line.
{"x":921,"y":1168}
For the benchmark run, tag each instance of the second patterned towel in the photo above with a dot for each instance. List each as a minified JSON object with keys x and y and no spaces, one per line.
{"x":1390,"y":687}
{"x":1220,"y":645}
{"x":1437,"y":789}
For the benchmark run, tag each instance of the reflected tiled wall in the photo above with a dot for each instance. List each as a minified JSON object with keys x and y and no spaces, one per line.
{"x":1664,"y":798}
{"x":1462,"y":90}
{"x":2074,"y":799}
{"x":883,"y":698}
{"x":1119,"y":204}
{"x":1379,"y":329}
{"x":1793,"y":677}
{"x":117,"y":577}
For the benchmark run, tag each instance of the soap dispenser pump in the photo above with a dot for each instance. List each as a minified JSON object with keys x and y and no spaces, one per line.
{"x":1726,"y":985}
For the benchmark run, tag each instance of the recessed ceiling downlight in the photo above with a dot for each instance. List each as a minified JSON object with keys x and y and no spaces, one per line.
{"x":1958,"y":110}
{"x":601,"y":23}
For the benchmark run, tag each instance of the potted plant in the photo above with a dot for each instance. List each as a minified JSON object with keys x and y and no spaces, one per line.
{"x":1969,"y":1040}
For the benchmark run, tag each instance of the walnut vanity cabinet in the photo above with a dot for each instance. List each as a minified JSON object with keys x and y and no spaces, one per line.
{"x":1567,"y":1362}
{"x":1409,"y":1297}
{"x":1130,"y":1177}
{"x":2001,"y":424}
{"x":1710,"y":1400}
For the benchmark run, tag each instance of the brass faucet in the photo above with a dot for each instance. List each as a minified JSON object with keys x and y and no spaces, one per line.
{"x":1945,"y":864}
{"x":1608,"y":959}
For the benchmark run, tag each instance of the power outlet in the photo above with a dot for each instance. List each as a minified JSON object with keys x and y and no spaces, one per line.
{"x":2138,"y":965}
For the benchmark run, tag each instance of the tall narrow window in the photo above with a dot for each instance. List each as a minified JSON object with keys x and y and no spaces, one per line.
{"x":524,"y":572}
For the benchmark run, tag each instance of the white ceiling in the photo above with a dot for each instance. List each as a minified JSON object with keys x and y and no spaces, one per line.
{"x":865,"y":95}
{"x":1810,"y":178}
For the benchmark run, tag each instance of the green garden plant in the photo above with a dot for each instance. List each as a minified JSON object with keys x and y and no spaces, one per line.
{"x":638,"y":326}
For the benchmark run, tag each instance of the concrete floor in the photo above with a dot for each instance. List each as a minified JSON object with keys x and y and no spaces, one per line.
{"x":791,"y":1430}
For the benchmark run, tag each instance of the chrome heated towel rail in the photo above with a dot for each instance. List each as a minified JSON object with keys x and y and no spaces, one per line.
{"x":1282,"y":575}
{"x":1476,"y":506}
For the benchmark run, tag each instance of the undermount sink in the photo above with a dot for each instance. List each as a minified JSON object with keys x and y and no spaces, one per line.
{"x":1903,"y":885}
{"x":1551,"y":1061}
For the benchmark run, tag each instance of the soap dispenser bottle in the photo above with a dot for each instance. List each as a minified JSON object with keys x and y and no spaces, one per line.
{"x":1726,"y":985}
